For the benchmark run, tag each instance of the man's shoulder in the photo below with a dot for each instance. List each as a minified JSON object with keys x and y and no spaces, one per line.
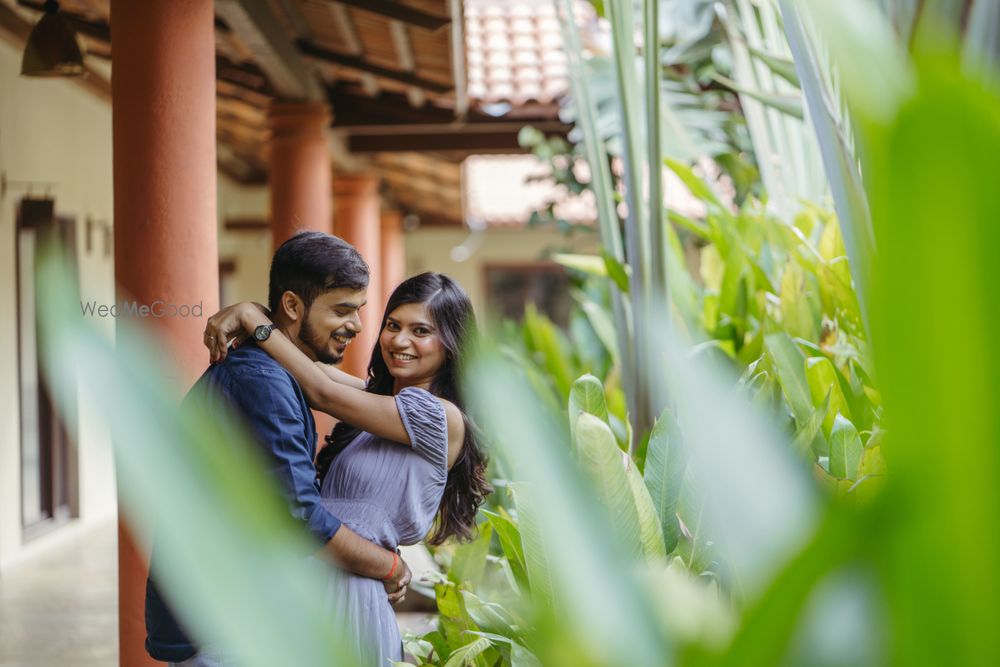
{"x":250,"y":365}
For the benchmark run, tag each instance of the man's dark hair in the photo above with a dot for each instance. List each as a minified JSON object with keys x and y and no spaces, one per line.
{"x":311,"y":263}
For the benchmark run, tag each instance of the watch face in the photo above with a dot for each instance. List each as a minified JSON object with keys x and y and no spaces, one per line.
{"x":262,"y":332}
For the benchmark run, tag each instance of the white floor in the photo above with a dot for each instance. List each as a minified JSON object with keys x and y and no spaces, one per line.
{"x":61,"y":607}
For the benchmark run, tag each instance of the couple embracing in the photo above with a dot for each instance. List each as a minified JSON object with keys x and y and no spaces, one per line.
{"x":401,"y":465}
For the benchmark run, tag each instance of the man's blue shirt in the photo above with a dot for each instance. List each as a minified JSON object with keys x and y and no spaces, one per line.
{"x":275,"y":410}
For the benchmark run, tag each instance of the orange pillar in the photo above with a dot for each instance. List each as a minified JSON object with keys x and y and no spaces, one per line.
{"x":300,"y":169}
{"x":300,"y":178}
{"x":163,"y":120}
{"x":393,"y":251}
{"x":356,"y":220}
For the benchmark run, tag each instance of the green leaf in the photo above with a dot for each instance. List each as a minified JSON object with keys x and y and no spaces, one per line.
{"x":592,"y":265}
{"x":841,"y":165}
{"x":796,"y":313}
{"x":602,"y":461}
{"x":549,"y":345}
{"x":809,"y":436}
{"x":602,"y":322}
{"x":845,"y":449}
{"x":465,"y":656}
{"x":490,"y":617}
{"x":618,"y":271}
{"x":787,"y":104}
{"x":664,"y":476}
{"x":783,"y":67}
{"x":510,"y":541}
{"x":650,"y":531}
{"x":825,"y":387}
{"x":538,"y":562}
{"x":789,"y":364}
{"x":469,"y":561}
{"x":696,"y":185}
{"x":587,"y":395}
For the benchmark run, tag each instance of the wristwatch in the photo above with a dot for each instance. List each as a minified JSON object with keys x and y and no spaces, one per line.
{"x":263,"y":332}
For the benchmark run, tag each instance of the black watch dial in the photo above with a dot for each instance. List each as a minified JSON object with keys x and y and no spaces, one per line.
{"x":263,"y":332}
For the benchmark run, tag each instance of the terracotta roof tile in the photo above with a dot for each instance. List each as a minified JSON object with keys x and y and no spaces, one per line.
{"x":514,"y":50}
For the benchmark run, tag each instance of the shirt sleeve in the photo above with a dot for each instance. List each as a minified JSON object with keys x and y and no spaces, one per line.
{"x":274,"y":411}
{"x":425,"y":422}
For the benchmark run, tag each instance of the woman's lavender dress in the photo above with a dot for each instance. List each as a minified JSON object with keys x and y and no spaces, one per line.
{"x":388,"y":493}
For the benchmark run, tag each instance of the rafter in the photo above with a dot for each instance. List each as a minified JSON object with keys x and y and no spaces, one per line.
{"x":259,"y":28}
{"x":362,"y":65}
{"x":400,"y":12}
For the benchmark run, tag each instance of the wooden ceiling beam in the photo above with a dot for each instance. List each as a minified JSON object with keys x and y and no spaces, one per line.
{"x":400,"y":12}
{"x":406,"y":59}
{"x":255,"y":23}
{"x":361,"y":65}
{"x":481,"y":141}
{"x":349,"y":34}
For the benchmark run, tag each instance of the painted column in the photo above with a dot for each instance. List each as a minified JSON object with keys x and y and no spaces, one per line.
{"x":163,"y":108}
{"x":300,"y":181}
{"x":393,"y":251}
{"x":356,"y":219}
{"x":300,"y":175}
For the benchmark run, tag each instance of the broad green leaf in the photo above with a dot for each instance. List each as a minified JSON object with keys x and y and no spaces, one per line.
{"x":790,"y":104}
{"x":548,"y":344}
{"x":809,"y":435}
{"x":469,"y":561}
{"x":602,"y":462}
{"x":783,"y":67}
{"x":841,"y":164}
{"x":590,"y":264}
{"x":466,"y":655}
{"x":602,"y":322}
{"x":933,"y":182}
{"x":664,"y":475}
{"x":510,"y":541}
{"x":650,"y":531}
{"x":440,"y":644}
{"x":825,"y":387}
{"x":608,"y":618}
{"x":696,"y":185}
{"x":617,"y":271}
{"x":845,"y":449}
{"x":538,"y":562}
{"x":789,"y":364}
{"x":490,"y":617}
{"x":587,"y":395}
{"x":796,"y":314}
{"x":454,"y":621}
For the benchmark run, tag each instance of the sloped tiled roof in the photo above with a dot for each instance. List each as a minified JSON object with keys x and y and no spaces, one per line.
{"x":514,"y":51}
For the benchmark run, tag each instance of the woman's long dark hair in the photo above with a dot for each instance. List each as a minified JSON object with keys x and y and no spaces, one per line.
{"x":455,"y":321}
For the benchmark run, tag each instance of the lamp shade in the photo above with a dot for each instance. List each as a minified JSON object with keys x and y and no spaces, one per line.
{"x":52,"y":49}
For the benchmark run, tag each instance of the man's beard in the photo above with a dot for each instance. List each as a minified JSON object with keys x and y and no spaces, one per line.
{"x":320,"y":346}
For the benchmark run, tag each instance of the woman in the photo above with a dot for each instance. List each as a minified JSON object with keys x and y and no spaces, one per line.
{"x":403,"y":453}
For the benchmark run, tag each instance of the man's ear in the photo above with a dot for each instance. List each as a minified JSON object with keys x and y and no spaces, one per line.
{"x":292,"y":306}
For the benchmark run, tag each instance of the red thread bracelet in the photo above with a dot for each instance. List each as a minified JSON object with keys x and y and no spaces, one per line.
{"x":395,"y":564}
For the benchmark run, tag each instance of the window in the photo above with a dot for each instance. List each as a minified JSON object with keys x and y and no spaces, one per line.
{"x":510,"y":287}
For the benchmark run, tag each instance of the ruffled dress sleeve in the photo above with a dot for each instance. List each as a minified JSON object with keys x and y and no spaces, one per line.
{"x":425,"y":422}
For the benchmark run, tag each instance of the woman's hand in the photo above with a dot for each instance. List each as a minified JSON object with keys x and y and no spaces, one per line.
{"x":227,"y":324}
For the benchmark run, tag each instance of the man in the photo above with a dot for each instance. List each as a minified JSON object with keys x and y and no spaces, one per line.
{"x":318,"y":283}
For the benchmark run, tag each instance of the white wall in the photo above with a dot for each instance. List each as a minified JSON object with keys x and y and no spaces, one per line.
{"x":249,"y":249}
{"x":51,"y":131}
